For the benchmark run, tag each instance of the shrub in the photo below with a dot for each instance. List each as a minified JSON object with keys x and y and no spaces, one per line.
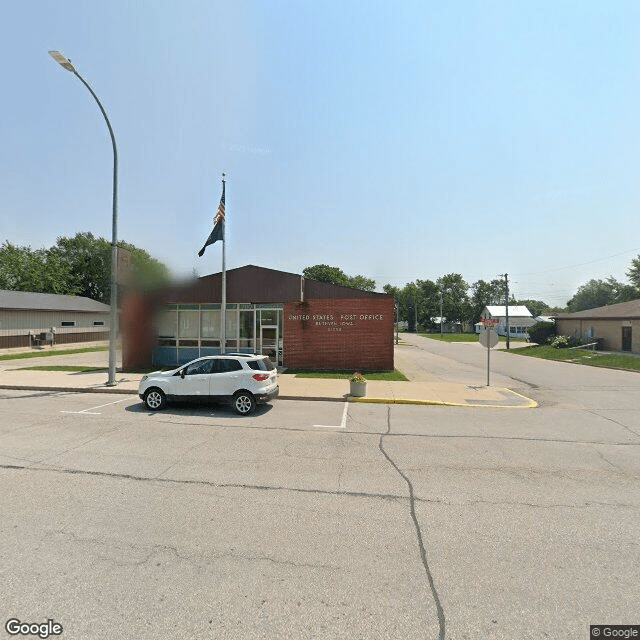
{"x":560,"y":342}
{"x":542,"y":332}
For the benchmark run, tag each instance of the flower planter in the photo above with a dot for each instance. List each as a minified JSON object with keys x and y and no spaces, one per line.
{"x":358,"y":389}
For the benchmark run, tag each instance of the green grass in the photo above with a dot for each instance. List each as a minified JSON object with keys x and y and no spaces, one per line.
{"x":83,"y":369}
{"x":463,"y":337}
{"x":581,"y":356}
{"x":70,"y":367}
{"x":392,"y":376}
{"x":46,"y":354}
{"x":452,"y":337}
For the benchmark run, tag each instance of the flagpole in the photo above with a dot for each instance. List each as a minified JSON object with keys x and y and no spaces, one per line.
{"x":223,"y":327}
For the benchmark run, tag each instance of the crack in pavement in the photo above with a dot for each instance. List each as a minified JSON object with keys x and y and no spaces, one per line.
{"x":205,"y":483}
{"x":414,"y":517}
{"x":624,"y":426}
{"x":615,"y":466}
{"x":116,"y":547}
{"x":349,"y":494}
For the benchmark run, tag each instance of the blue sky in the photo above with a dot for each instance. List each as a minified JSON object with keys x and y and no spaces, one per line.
{"x":397,"y":140}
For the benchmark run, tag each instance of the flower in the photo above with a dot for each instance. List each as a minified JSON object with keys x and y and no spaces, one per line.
{"x":357,"y":377}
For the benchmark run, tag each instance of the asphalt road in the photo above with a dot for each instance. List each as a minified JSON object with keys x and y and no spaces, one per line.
{"x":326,"y":520}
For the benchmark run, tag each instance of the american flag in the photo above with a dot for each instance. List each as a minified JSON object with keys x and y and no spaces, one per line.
{"x":218,"y":225}
{"x":220,"y":213}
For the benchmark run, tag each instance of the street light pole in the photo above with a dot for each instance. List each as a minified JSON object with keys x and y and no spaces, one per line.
{"x":113,"y":329}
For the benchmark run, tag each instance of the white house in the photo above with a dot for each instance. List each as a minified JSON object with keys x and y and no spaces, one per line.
{"x":520,"y":319}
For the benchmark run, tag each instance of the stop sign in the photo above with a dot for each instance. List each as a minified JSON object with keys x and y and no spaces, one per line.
{"x":488,"y":338}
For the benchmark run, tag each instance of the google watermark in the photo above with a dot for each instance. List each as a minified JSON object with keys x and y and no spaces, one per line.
{"x":15,"y":627}
{"x":614,"y":631}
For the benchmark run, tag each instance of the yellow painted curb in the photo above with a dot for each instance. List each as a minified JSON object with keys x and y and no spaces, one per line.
{"x":532,"y":404}
{"x":395,"y":401}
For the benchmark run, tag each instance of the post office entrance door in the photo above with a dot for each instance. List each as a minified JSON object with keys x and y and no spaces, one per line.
{"x":269,"y":343}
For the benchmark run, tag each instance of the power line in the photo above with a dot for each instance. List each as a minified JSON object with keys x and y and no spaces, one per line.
{"x":582,"y":264}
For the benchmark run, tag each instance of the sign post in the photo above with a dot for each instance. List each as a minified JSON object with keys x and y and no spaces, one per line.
{"x":489,"y":339}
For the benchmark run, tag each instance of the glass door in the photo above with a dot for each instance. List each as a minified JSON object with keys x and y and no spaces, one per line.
{"x":269,"y":342}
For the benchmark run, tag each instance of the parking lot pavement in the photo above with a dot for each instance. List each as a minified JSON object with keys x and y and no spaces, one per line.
{"x":317,"y":519}
{"x":437,"y":392}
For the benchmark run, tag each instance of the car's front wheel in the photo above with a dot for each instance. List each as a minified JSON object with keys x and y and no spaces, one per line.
{"x":155,"y":399}
{"x":244,"y":403}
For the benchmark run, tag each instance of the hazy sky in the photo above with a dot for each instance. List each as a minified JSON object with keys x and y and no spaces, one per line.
{"x":397,"y":140}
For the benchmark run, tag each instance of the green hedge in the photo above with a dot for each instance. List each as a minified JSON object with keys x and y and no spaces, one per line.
{"x":542,"y":332}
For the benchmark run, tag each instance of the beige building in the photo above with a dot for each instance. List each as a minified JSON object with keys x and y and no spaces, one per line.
{"x":616,"y":325}
{"x":29,"y":319}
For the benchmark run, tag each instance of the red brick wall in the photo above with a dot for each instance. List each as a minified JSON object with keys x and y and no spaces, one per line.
{"x":353,"y":334}
{"x":136,"y":327}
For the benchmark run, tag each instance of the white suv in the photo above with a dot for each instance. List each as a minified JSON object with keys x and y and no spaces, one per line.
{"x":243,"y":380}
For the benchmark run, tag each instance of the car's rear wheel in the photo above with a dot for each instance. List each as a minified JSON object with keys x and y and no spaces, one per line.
{"x":155,"y":399}
{"x":244,"y":403}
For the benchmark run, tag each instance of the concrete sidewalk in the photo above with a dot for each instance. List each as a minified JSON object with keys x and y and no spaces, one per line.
{"x":423,"y":387}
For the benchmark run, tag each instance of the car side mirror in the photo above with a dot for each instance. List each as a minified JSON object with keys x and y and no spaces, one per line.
{"x":182,"y":374}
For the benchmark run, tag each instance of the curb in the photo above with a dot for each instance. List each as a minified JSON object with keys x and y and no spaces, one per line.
{"x":112,"y":390}
{"x":439,"y":403}
{"x":25,"y":387}
{"x":313,"y":398}
{"x":400,"y":401}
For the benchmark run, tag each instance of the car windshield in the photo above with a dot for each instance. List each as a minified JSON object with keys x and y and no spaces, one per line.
{"x":264,"y":364}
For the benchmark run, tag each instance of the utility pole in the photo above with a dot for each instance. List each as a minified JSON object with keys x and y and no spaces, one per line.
{"x":440,"y":311}
{"x":506,"y":306}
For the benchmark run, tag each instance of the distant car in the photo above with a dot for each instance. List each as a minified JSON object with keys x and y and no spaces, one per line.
{"x":240,"y":379}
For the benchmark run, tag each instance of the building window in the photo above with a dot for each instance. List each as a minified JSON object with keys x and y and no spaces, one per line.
{"x":167,"y":328}
{"x":210,"y":324}
{"x":188,"y":323}
{"x":98,"y":323}
{"x":68,"y":323}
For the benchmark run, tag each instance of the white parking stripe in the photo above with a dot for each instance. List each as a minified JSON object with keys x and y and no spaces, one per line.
{"x":91,"y":413}
{"x":343,"y":422}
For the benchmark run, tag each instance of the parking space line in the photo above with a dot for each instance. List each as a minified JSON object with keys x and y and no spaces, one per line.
{"x":92,"y":413}
{"x":343,"y":422}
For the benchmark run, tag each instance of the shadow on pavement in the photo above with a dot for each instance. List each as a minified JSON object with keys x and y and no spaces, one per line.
{"x":198,"y":409}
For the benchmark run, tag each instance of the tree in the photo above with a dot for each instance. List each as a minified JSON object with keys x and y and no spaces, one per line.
{"x":537,"y":307}
{"x":335,"y":275}
{"x":428,"y":303}
{"x":401,"y":297}
{"x":89,"y":262}
{"x":455,"y":300}
{"x":634,"y":275}
{"x":25,"y":269}
{"x":147,"y":271}
{"x":73,"y":266}
{"x":595,"y":293}
{"x":622,"y":292}
{"x":485,"y":293}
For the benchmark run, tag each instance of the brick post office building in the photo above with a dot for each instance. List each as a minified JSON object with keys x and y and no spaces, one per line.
{"x":299,"y":323}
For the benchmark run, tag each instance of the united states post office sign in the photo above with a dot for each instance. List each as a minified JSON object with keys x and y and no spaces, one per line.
{"x":336,"y":321}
